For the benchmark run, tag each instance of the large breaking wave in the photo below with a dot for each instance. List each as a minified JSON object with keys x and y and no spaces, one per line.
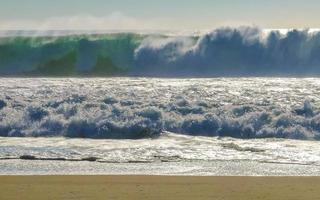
{"x":244,"y":51}
{"x":145,"y":108}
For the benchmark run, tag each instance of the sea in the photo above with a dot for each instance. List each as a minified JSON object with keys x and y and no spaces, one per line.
{"x":160,"y":126}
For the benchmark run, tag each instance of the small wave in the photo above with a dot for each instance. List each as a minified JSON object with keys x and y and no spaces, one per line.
{"x":239,"y":148}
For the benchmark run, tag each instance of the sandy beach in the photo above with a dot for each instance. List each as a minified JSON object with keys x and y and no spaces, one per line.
{"x":158,"y":187}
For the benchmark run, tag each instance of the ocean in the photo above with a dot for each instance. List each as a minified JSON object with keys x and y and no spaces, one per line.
{"x":173,"y":126}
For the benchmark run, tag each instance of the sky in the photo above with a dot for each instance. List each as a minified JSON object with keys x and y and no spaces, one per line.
{"x":157,"y":14}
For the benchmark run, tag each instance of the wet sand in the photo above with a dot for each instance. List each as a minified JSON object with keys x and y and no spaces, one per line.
{"x":158,"y":187}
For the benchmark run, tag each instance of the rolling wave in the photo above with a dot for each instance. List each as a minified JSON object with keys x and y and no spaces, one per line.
{"x":70,"y":55}
{"x":243,"y":51}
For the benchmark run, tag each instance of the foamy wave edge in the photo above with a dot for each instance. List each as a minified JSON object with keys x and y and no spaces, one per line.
{"x":74,"y":117}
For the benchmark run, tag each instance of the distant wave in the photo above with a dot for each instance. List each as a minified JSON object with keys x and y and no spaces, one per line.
{"x":243,"y":51}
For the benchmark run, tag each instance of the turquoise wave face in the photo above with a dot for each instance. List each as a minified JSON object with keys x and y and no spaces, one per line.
{"x":109,"y":54}
{"x":244,"y":51}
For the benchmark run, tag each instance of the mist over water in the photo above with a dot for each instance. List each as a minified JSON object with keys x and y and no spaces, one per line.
{"x":243,"y":51}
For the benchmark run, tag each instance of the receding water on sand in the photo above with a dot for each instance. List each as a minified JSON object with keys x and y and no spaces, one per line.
{"x":170,"y":154}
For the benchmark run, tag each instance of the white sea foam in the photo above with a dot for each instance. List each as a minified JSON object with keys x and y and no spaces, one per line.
{"x":143,"y":108}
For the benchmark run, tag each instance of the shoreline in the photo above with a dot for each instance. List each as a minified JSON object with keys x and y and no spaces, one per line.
{"x":196,"y":168}
{"x":158,"y":187}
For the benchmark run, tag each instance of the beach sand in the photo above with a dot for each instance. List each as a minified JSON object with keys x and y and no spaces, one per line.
{"x":158,"y":187}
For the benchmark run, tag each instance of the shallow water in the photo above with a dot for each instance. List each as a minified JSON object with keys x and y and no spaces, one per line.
{"x":198,"y":168}
{"x":168,"y":148}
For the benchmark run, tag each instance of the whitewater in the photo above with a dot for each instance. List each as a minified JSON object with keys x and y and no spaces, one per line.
{"x":133,"y":108}
{"x":231,"y":101}
{"x":186,"y":126}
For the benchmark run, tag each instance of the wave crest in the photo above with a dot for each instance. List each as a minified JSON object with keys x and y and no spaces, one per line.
{"x":243,"y":51}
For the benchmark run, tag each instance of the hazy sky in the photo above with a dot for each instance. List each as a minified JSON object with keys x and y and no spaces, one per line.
{"x":157,"y":14}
